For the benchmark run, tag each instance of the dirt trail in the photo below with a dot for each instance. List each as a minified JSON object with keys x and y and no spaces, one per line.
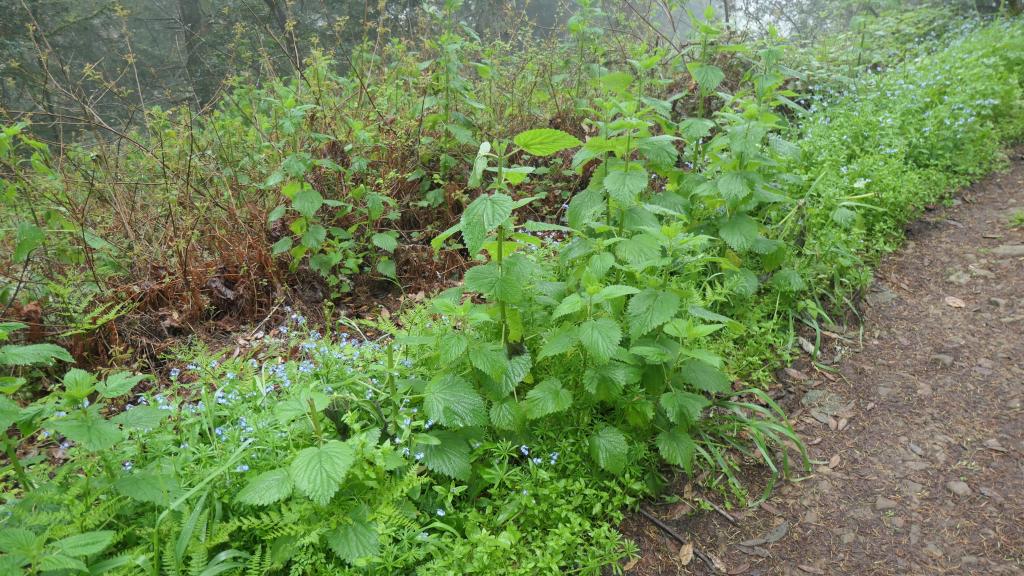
{"x":919,"y":441}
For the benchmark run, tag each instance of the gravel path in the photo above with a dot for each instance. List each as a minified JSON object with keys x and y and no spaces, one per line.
{"x":919,"y":438}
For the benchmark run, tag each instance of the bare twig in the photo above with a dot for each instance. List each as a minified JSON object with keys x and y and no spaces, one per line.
{"x":675,"y":536}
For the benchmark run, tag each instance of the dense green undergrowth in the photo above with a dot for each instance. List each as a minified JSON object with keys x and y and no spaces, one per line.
{"x":504,"y":426}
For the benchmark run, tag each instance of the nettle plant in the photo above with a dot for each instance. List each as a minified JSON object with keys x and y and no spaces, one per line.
{"x":614,"y":331}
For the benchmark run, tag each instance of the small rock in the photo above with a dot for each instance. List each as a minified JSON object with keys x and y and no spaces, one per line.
{"x":970,"y":560}
{"x":933,"y":550}
{"x":811,"y":517}
{"x":1009,"y":250}
{"x":883,"y":503}
{"x":944,"y":360}
{"x":959,"y":278}
{"x":958,"y":487}
{"x":993,"y":444}
{"x":848,"y":537}
{"x":924,"y":390}
{"x":997,"y":302}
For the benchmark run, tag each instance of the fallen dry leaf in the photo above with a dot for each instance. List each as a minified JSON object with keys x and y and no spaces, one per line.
{"x":955,"y":302}
{"x":631,"y":564}
{"x":843,"y":423}
{"x":833,"y":461}
{"x":686,"y":553}
{"x":741,"y":569}
{"x":811,"y":569}
{"x":795,"y":374}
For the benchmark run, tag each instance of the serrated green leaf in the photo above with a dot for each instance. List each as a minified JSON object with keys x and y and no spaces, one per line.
{"x":281,"y":246}
{"x":56,"y":562}
{"x":89,"y":429}
{"x":10,"y":412}
{"x":677,"y":448}
{"x":453,"y":346}
{"x":454,"y":402}
{"x":354,"y":540}
{"x":141,"y":418}
{"x":482,"y":216}
{"x":739,"y":232}
{"x":600,"y":338}
{"x":569,"y":305}
{"x":733,"y":186}
{"x":650,"y":309}
{"x":494,"y":282}
{"x":704,"y":376}
{"x":314,"y":236}
{"x":614,"y":291}
{"x":625,"y":185}
{"x":387,"y":241}
{"x":559,"y":341}
{"x":318,"y":471}
{"x":159,"y":489}
{"x":546,"y":398}
{"x":86,"y":543}
{"x":683,"y":407}
{"x":489,"y":358}
{"x":307,"y":201}
{"x":29,"y":354}
{"x":120,"y":383}
{"x":507,"y":414}
{"x":545,"y":141}
{"x":27,"y":239}
{"x":266,"y":488}
{"x":707,"y":76}
{"x":608,"y":447}
{"x":78,"y":383}
{"x":450,"y":457}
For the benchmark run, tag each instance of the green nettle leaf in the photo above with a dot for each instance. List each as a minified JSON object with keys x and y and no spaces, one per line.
{"x":120,"y":383}
{"x":677,"y":448}
{"x":453,"y":346}
{"x":387,"y":241}
{"x":545,"y":141}
{"x":650,"y":309}
{"x":276,"y":214}
{"x":267,"y":488}
{"x":141,"y":418}
{"x":559,"y":341}
{"x":476,"y":175}
{"x":733,"y":186}
{"x":600,"y":338}
{"x":86,"y":543}
{"x":9,"y":412}
{"x":788,"y":280}
{"x":614,"y":291}
{"x":489,"y":358}
{"x":707,"y":76}
{"x":570,"y":304}
{"x":454,"y":402}
{"x":314,"y":236}
{"x":683,"y":407}
{"x":281,"y":246}
{"x":319,"y":470}
{"x":307,"y":201}
{"x":608,"y":447}
{"x":355,"y":540}
{"x":159,"y":489}
{"x":584,"y":208}
{"x":704,"y":376}
{"x":449,"y":457}
{"x":488,"y":280}
{"x":639,"y":251}
{"x":89,"y":429}
{"x":61,"y":562}
{"x":507,"y":414}
{"x":844,"y":216}
{"x":739,"y":232}
{"x":28,"y":238}
{"x":486,"y":213}
{"x":625,"y":185}
{"x":78,"y":383}
{"x":546,"y":398}
{"x":29,"y":354}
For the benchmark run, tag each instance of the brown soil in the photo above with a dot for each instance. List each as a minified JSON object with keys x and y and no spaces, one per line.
{"x":917,"y":442}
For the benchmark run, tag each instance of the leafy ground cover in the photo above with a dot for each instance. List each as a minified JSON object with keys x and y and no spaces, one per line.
{"x":603,"y":337}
